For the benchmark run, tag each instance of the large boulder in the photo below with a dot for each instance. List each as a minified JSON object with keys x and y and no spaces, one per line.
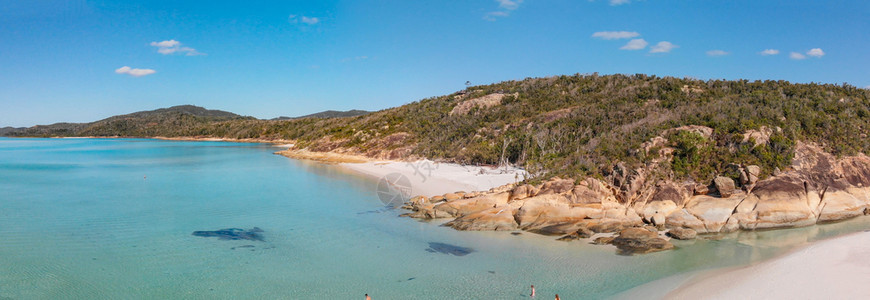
{"x":682,"y":218}
{"x":461,"y":207}
{"x":628,"y":181}
{"x":547,"y":210}
{"x":783,"y":201}
{"x":639,"y":241}
{"x":749,"y":174}
{"x":840,"y":205}
{"x":713,"y":212}
{"x":495,"y":219}
{"x":522,"y":192}
{"x":724,"y":185}
{"x":681,"y":233}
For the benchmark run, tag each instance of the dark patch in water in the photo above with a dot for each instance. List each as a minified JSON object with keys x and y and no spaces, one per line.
{"x":516,"y":233}
{"x":491,"y":272}
{"x":242,"y":246}
{"x":377,"y":211}
{"x":233,"y":234}
{"x":448,"y":249}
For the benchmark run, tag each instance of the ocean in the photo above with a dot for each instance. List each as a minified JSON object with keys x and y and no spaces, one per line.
{"x":113,"y":219}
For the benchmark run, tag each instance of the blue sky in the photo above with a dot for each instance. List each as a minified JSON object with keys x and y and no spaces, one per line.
{"x":80,"y":61}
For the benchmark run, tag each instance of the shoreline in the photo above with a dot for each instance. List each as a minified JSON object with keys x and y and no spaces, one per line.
{"x":428,"y":178}
{"x":833,"y":268}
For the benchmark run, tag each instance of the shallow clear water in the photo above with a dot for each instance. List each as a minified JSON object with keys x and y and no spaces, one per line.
{"x":112,"y":219}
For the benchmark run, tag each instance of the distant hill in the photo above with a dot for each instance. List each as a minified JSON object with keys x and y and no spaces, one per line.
{"x":6,"y":130}
{"x":328,"y":114}
{"x":173,"y":121}
{"x":572,"y":126}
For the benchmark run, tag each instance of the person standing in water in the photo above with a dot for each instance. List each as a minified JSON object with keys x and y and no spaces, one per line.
{"x":533,"y":291}
{"x":370,"y":298}
{"x":557,"y":297}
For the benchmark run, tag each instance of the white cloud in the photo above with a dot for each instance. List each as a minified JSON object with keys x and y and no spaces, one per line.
{"x":173,"y":46}
{"x":303,"y":19}
{"x":816,"y":52}
{"x":134,"y":72}
{"x":717,"y":53}
{"x":491,"y":16}
{"x":769,"y":52}
{"x":509,"y":4}
{"x":615,"y":35}
{"x":635,"y":44}
{"x":796,"y":56}
{"x":619,"y":2}
{"x":662,"y":47}
{"x":505,"y":7}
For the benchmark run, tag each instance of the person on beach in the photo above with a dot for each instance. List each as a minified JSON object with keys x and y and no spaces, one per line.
{"x":370,"y":298}
{"x":533,"y":291}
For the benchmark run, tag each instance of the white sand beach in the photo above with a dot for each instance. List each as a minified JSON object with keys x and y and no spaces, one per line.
{"x":430,"y":178}
{"x":838,"y":268}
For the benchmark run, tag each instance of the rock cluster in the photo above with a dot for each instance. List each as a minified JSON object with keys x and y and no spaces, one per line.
{"x":817,"y":188}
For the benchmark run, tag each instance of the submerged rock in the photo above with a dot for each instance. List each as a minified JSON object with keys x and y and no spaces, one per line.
{"x":233,"y":234}
{"x":639,"y":241}
{"x":448,"y":249}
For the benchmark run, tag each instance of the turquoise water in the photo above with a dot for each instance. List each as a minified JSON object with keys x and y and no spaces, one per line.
{"x":112,"y":219}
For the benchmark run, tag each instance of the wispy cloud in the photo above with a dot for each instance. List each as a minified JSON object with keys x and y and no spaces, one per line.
{"x":717,"y":52}
{"x":172,"y":47}
{"x":635,"y":44}
{"x":509,"y":4}
{"x":134,"y":72}
{"x":619,"y":2}
{"x":663,"y":47}
{"x":505,"y":7}
{"x":303,"y":19}
{"x":356,"y":58}
{"x":767,"y":52}
{"x":615,"y":35}
{"x":796,"y":56}
{"x":816,"y":52}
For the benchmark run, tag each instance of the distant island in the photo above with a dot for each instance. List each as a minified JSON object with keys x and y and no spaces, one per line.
{"x":606,"y":153}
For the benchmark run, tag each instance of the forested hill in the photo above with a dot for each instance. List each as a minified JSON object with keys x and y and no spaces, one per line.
{"x":328,"y":114}
{"x":171,"y":121}
{"x":580,"y":125}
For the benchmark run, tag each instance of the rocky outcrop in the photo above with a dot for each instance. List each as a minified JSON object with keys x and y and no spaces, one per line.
{"x":817,"y":188}
{"x":490,"y":100}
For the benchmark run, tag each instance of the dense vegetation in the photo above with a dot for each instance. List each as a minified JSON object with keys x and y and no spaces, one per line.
{"x":327,"y":114}
{"x":579,"y":125}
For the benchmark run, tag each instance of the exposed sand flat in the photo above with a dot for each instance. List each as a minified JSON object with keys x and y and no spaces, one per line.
{"x":838,"y":268}
{"x":429,"y":178}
